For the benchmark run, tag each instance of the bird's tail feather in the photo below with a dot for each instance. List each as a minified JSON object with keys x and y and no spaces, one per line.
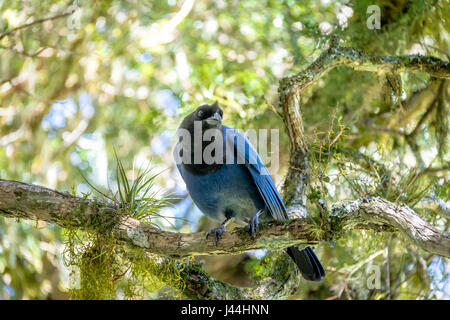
{"x":308,"y":263}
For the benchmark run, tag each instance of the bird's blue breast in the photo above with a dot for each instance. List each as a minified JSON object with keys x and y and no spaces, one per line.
{"x":225,"y":193}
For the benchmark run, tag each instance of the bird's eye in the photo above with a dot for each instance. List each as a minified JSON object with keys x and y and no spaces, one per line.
{"x":200,"y":114}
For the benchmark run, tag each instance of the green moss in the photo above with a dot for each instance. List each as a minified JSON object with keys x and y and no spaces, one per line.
{"x":160,"y":275}
{"x":276,"y":265}
{"x":99,"y":267}
{"x":109,"y":270}
{"x":106,"y":269}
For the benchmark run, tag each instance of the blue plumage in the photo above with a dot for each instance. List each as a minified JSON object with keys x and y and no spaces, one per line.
{"x":236,"y":190}
{"x":225,"y":193}
{"x":241,"y":189}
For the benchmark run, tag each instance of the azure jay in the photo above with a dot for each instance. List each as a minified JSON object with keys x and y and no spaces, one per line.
{"x":227,"y":180}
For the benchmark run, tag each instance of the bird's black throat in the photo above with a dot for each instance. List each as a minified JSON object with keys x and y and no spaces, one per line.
{"x":202,"y":135}
{"x":202,"y":167}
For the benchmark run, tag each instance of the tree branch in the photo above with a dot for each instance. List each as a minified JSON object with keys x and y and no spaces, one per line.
{"x":61,"y":15}
{"x":297,"y":180}
{"x":338,"y":55}
{"x":20,"y":200}
{"x":279,"y":284}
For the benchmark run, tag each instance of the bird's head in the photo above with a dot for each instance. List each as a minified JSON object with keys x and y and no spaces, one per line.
{"x":209,"y":115}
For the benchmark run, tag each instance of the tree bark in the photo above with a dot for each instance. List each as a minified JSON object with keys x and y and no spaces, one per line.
{"x":27,"y":201}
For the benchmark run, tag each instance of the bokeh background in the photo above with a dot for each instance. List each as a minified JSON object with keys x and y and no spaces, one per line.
{"x":122,"y":74}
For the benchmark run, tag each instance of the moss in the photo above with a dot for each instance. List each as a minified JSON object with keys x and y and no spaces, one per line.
{"x":208,"y":287}
{"x":276,"y":265}
{"x":99,"y":268}
{"x":106,"y":268}
{"x":155,"y":274}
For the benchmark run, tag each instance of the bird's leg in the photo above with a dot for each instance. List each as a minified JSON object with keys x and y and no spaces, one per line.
{"x":217,"y":232}
{"x":253,"y":224}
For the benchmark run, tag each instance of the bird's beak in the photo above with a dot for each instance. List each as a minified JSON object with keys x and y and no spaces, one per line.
{"x":214,"y":120}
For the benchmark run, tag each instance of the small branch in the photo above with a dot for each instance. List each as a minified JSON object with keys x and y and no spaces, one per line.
{"x":376,"y":213}
{"x":387,"y":130}
{"x":61,"y":15}
{"x":429,"y":110}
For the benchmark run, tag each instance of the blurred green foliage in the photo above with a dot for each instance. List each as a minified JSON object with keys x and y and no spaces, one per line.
{"x":121,"y":74}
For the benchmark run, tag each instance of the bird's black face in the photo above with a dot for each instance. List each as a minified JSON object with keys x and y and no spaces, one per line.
{"x":210,"y":115}
{"x":210,"y":118}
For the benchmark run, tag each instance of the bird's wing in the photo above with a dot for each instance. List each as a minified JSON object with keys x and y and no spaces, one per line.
{"x":246,"y":154}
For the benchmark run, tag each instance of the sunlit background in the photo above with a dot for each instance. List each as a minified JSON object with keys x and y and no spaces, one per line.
{"x":122,"y":74}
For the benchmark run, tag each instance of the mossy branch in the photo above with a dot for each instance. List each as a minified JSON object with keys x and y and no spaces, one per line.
{"x":337,"y":55}
{"x":20,"y":200}
{"x":297,"y":179}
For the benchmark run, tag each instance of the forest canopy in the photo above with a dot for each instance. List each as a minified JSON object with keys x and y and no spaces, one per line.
{"x":91,"y":96}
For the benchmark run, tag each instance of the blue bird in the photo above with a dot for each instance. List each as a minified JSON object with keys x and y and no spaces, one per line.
{"x":227,"y":180}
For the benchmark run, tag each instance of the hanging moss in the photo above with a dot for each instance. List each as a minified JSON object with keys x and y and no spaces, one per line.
{"x":98,"y":267}
{"x":107,"y":270}
{"x":276,"y":265}
{"x":154,"y":274}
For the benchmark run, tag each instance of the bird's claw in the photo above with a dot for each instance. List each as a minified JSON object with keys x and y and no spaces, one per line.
{"x":217,"y":232}
{"x":253,"y":225}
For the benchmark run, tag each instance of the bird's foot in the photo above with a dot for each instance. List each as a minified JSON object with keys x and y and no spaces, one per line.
{"x":217,"y":232}
{"x":253,"y":224}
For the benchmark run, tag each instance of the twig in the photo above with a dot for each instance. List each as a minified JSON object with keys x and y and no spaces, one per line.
{"x":61,"y":15}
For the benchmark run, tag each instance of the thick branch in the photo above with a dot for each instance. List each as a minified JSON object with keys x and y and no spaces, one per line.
{"x":39,"y":203}
{"x":378,"y":214}
{"x":338,"y":55}
{"x":279,"y":284}
{"x":297,"y":180}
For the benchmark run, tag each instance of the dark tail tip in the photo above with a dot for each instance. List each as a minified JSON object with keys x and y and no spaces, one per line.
{"x":308,"y":263}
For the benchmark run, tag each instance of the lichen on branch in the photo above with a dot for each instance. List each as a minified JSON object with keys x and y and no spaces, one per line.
{"x":39,"y":203}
